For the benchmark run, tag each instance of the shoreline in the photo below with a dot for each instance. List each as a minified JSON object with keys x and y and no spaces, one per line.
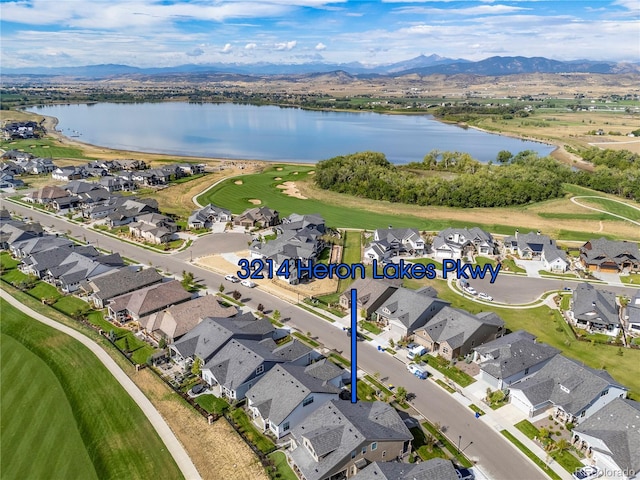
{"x":50,"y":123}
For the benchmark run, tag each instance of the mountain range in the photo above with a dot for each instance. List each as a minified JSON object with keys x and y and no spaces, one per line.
{"x":421,"y":65}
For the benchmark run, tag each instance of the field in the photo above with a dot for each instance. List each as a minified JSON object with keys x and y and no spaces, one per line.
{"x":613,"y":207}
{"x":35,"y":411}
{"x":117,"y":436}
{"x":341,"y":210}
{"x":43,"y":147}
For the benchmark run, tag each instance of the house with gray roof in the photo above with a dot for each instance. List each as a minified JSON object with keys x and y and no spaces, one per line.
{"x":574,"y":391}
{"x":261,"y":217}
{"x":297,"y":222}
{"x":209,"y":215}
{"x":457,"y":243}
{"x":208,"y":337}
{"x":285,"y":396}
{"x":595,"y":310}
{"x":240,"y":364}
{"x":434,"y":469}
{"x":453,"y":333}
{"x":535,"y":246}
{"x":145,"y":301}
{"x":29,"y":246}
{"x":371,"y":294}
{"x":511,"y":358}
{"x":12,"y":231}
{"x":105,"y":287}
{"x":77,"y":268}
{"x":407,"y":310}
{"x":175,"y":321}
{"x":341,"y":438}
{"x":611,"y":437}
{"x":632,"y":316}
{"x":608,"y":256}
{"x":394,"y":241}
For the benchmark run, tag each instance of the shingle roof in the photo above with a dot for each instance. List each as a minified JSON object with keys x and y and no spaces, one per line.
{"x":150,"y":299}
{"x":408,"y":306}
{"x":513,"y":353}
{"x":618,"y":426}
{"x":324,"y":370}
{"x":369,"y":289}
{"x":583,"y":384}
{"x":126,"y":280}
{"x":434,"y":469}
{"x":283,"y":388}
{"x":601,"y":250}
{"x":591,"y":304}
{"x":340,"y":427}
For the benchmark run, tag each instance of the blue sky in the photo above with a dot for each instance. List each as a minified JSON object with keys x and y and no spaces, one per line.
{"x":149,"y":33}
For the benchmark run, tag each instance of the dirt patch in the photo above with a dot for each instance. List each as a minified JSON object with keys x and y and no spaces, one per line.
{"x":290,"y":189}
{"x":312,"y":172}
{"x":278,"y":178}
{"x":255,"y":201}
{"x":238,"y":182}
{"x":216,"y":450}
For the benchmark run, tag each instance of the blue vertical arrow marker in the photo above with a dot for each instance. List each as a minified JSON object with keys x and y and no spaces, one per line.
{"x":354,"y":345}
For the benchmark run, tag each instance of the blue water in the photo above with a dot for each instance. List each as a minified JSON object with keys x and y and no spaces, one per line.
{"x":271,"y":133}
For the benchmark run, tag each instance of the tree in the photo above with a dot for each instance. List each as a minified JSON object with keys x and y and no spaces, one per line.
{"x":127,"y":347}
{"x":276,"y":315}
{"x":162,"y":344}
{"x":562,"y":445}
{"x":401,"y":394}
{"x":236,"y":295}
{"x":112,"y":336}
{"x":187,"y":279}
{"x":196,"y":366}
{"x":260,"y":307}
{"x":221,"y":288}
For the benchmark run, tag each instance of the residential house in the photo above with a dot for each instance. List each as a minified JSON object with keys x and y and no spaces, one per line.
{"x":595,"y":310}
{"x":46,"y":195}
{"x":68,"y":173}
{"x":453,"y":333}
{"x":127,"y":210}
{"x":209,"y":215}
{"x":456,"y":243}
{"x":186,"y":169}
{"x":11,"y":168}
{"x":394,"y":241}
{"x":297,"y":222}
{"x":117,"y":184}
{"x":535,"y":246}
{"x":406,"y":310}
{"x":611,"y":437}
{"x":632,"y":315}
{"x":145,"y":301}
{"x":29,"y":246}
{"x":38,"y":166}
{"x":285,"y":396}
{"x":7,"y":180}
{"x":511,"y":358}
{"x":608,"y":256}
{"x":105,"y":287}
{"x":132,"y":164}
{"x":209,"y":336}
{"x":76,"y":187}
{"x":38,"y":263}
{"x":370,"y":293}
{"x":154,"y":228}
{"x":240,"y":364}
{"x":175,"y":321}
{"x":341,"y":438}
{"x":65,"y":204}
{"x":12,"y":231}
{"x":434,"y":469}
{"x":77,"y":268}
{"x":261,"y":217}
{"x":574,"y":391}
{"x":17,"y":156}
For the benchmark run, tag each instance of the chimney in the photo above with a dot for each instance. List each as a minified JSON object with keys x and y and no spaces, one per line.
{"x":538,"y":232}
{"x":390,"y":227}
{"x":593,"y":304}
{"x":517,"y":233}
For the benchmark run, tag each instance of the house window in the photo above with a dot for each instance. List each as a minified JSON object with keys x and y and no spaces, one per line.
{"x":285,"y":426}
{"x":384,"y":453}
{"x":307,"y":401}
{"x":606,"y":392}
{"x":353,"y":454}
{"x":445,"y":350}
{"x":526,"y":371}
{"x":364,"y":450}
{"x":374,"y":446}
{"x":583,"y":413}
{"x":260,"y":369}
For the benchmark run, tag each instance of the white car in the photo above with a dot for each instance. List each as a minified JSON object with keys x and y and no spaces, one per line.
{"x":484,"y":296}
{"x":248,"y":283}
{"x":470,"y":290}
{"x":587,"y":473}
{"x":417,"y":370}
{"x":231,"y":278}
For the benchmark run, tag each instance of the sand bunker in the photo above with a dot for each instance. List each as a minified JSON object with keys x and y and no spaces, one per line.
{"x":279,"y":169}
{"x":278,"y":178}
{"x":294,"y":173}
{"x":312,"y":172}
{"x":289,"y":188}
{"x":255,"y":201}
{"x":238,"y":182}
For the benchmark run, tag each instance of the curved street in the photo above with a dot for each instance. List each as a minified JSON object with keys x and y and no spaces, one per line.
{"x":176,"y":449}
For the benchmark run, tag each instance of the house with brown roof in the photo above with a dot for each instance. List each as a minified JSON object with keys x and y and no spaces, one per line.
{"x":105,"y":287}
{"x":175,"y":321}
{"x":148,"y":300}
{"x":608,"y":256}
{"x":258,"y":217}
{"x":370,"y":293}
{"x":46,"y":195}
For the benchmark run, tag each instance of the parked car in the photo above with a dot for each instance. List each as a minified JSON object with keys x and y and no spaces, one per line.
{"x":231,"y":278}
{"x":586,"y":473}
{"x":465,"y":474}
{"x":470,"y":290}
{"x":417,"y":370}
{"x":198,"y":389}
{"x":484,"y":296}
{"x":416,"y":351}
{"x":248,"y":283}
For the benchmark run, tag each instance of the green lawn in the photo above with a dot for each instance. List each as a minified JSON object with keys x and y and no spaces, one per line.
{"x":613,"y":207}
{"x":484,"y":260}
{"x":43,"y":147}
{"x":14,"y":277}
{"x":538,"y":461}
{"x":7,"y":261}
{"x":282,"y":467}
{"x":44,"y":290}
{"x":120,"y":441}
{"x":427,"y":261}
{"x":565,"y":302}
{"x":212,"y":404}
{"x":453,"y":450}
{"x":632,"y":279}
{"x":509,"y":265}
{"x":371,"y":327}
{"x":458,"y":376}
{"x":365,"y":391}
{"x":426,"y":450}
{"x":36,"y":411}
{"x":528,"y":428}
{"x":351,"y":254}
{"x":69,"y":305}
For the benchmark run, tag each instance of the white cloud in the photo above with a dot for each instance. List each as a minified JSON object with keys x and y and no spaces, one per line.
{"x":286,"y":45}
{"x":320,"y":46}
{"x":250,"y":46}
{"x":196,"y":52}
{"x":477,"y":10}
{"x":227,"y":48}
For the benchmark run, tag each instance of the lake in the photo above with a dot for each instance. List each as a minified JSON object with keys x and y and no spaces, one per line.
{"x":226,"y":130}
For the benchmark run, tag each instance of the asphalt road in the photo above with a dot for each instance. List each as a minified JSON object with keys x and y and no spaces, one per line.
{"x":495,"y":456}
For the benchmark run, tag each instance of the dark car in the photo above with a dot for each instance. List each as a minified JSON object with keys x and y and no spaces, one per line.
{"x":198,"y":389}
{"x":465,"y":474}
